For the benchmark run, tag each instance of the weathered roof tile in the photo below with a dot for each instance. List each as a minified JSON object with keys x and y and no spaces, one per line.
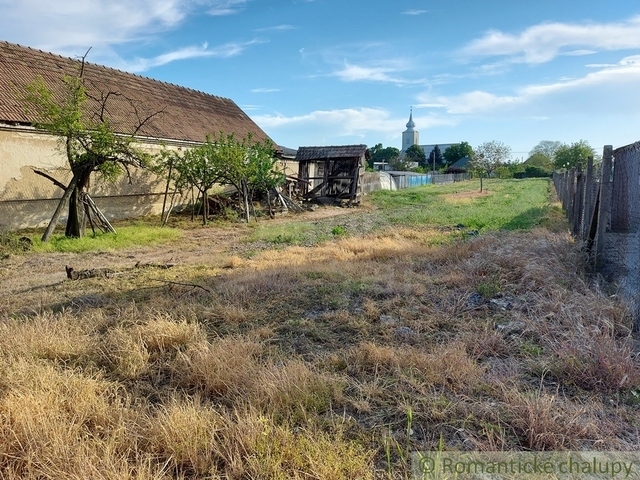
{"x":342,"y":151}
{"x":186,"y":114}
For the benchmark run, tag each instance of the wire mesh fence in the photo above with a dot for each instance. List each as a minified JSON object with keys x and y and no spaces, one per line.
{"x":603,"y":208}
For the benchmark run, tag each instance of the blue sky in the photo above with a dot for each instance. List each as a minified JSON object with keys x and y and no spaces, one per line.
{"x":335,"y":72}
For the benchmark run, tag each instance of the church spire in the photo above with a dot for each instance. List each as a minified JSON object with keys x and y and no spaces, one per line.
{"x":410,"y":124}
{"x":410,"y":136}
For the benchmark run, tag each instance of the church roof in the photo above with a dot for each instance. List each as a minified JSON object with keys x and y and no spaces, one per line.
{"x":186,"y":115}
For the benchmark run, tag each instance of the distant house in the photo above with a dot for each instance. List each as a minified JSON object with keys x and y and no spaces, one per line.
{"x":460,"y":166}
{"x":332,"y":174}
{"x":183,"y":118}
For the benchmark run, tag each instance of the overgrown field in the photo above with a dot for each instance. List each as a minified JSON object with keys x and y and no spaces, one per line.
{"x":325,"y":349}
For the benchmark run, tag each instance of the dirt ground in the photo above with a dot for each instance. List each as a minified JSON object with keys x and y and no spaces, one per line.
{"x":201,"y":245}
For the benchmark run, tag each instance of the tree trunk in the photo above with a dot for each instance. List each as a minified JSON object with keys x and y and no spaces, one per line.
{"x":56,"y":215}
{"x":245,"y":194}
{"x":205,"y":207}
{"x":76,"y":221}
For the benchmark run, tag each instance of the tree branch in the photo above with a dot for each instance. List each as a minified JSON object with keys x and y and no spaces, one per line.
{"x":185,"y":285}
{"x":49,"y":177}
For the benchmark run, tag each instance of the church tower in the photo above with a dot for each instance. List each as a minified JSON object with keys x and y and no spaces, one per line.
{"x":410,"y":136}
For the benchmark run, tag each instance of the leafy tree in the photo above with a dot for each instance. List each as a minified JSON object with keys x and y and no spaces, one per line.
{"x":87,"y":139}
{"x":247,"y":165}
{"x":401,"y":164}
{"x":415,"y":154}
{"x":197,"y":168}
{"x":488,"y":157}
{"x":547,"y":148}
{"x":510,"y":169}
{"x":380,"y":154}
{"x":435,"y":157}
{"x":568,"y":156}
{"x":539,"y":160}
{"x":263,"y":174}
{"x":456,"y":152}
{"x":534,"y":171}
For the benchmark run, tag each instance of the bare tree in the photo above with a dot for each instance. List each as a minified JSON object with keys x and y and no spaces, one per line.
{"x":86,"y":137}
{"x":547,"y":148}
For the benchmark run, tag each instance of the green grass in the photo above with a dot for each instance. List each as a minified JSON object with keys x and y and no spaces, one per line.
{"x":298,"y":233}
{"x":126,"y":236}
{"x":507,"y":204}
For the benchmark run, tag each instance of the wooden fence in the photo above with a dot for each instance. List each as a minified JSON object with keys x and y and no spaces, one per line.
{"x":603,"y":208}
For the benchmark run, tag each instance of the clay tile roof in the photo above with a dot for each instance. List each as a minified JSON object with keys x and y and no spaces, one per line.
{"x":343,"y":151}
{"x":186,"y":114}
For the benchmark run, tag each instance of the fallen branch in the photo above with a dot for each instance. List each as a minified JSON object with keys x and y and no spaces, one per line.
{"x":155,"y":265}
{"x":90,"y":273}
{"x":73,"y":274}
{"x":193,"y":285}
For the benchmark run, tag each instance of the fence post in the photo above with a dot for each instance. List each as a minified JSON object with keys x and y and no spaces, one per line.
{"x":604,"y":210}
{"x":578,"y":202}
{"x":571,"y":196}
{"x":588,"y":199}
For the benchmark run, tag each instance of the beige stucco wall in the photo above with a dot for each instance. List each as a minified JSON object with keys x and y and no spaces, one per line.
{"x":28,"y":200}
{"x":22,"y":147}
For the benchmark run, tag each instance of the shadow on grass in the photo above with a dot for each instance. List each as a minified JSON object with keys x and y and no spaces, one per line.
{"x":526,"y":220}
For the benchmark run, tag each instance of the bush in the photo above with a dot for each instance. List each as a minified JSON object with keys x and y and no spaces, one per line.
{"x":533,"y":171}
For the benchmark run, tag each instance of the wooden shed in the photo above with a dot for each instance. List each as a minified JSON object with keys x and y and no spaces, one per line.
{"x":332,"y":174}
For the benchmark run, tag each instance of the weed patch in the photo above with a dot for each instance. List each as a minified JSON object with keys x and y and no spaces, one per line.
{"x":431,"y":318}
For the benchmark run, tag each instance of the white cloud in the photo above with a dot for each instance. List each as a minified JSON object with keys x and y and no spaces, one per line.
{"x":414,"y":12}
{"x":543,"y":42}
{"x":87,"y":23}
{"x":354,"y":73}
{"x":226,"y":7}
{"x":615,"y":81}
{"x":348,"y":122}
{"x":579,"y":53}
{"x":264,"y":90}
{"x":68,"y":27}
{"x":226,"y":50}
{"x":359,"y":73}
{"x":277,"y":28}
{"x":470,"y":102}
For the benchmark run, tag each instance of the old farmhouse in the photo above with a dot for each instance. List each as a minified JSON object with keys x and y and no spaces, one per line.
{"x":180,"y":118}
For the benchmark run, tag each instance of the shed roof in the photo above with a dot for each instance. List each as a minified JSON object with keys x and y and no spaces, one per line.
{"x":342,"y":151}
{"x":187,"y":115}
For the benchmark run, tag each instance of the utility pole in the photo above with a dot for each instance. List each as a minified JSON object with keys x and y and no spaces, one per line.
{"x":434,"y":162}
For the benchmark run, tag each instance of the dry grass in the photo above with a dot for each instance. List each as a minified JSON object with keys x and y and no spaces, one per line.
{"x":304,"y":362}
